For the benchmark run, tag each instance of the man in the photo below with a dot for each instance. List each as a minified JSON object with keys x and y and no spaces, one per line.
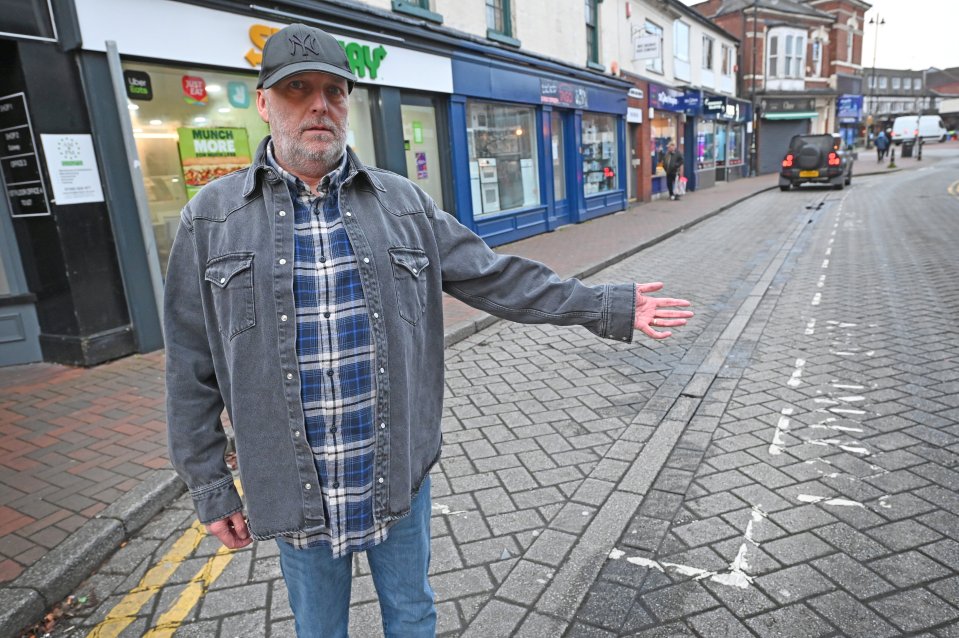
{"x":673,"y":165}
{"x":304,"y":294}
{"x":882,"y":145}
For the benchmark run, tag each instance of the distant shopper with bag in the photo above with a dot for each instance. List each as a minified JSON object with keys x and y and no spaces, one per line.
{"x":673,"y":165}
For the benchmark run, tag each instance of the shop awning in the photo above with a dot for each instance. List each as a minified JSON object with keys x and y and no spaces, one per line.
{"x":796,"y":115}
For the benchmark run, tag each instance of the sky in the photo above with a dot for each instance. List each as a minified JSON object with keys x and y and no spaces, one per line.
{"x":918,"y":34}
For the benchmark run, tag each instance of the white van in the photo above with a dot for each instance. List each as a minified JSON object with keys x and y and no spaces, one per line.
{"x":930,"y":128}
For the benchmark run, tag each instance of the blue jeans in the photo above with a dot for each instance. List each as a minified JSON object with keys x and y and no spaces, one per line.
{"x":319,"y":585}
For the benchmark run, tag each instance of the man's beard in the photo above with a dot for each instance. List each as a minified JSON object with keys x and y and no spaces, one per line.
{"x":303,"y":158}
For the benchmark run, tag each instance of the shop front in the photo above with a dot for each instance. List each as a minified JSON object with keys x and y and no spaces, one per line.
{"x":780,"y":119}
{"x":721,"y":139}
{"x":533,"y":149}
{"x":667,"y":118}
{"x":194,"y":118}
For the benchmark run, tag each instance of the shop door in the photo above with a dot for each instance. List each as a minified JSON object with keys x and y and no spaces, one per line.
{"x":19,"y":329}
{"x":559,"y":153}
{"x":722,"y":139}
{"x":422,"y":146}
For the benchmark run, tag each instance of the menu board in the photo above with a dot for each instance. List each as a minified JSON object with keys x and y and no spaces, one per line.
{"x":208,"y":153}
{"x":18,"y":159}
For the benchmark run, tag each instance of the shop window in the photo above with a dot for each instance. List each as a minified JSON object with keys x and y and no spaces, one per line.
{"x":592,"y":32}
{"x":735,"y":147}
{"x":706,"y":144}
{"x":200,"y":124}
{"x":655,"y":64}
{"x":599,"y":153}
{"x":664,"y":129}
{"x":559,"y":158}
{"x":418,"y":8}
{"x":504,"y":173}
{"x":708,"y":52}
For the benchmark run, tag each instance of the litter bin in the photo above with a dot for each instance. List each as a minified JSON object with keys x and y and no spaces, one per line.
{"x":907,"y":149}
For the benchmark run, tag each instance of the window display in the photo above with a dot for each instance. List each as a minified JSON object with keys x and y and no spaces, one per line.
{"x":735,"y":146}
{"x":664,"y":129}
{"x":599,"y":153}
{"x":193,"y":125}
{"x":504,"y":173}
{"x":706,"y":144}
{"x":559,"y":163}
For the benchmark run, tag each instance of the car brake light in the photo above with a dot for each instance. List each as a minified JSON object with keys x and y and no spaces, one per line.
{"x":834,"y":159}
{"x":788,"y":162}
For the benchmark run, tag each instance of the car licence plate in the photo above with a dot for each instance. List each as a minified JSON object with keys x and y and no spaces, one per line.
{"x":809,"y":173}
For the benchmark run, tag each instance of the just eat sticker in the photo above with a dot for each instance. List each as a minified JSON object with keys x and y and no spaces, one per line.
{"x":194,"y":89}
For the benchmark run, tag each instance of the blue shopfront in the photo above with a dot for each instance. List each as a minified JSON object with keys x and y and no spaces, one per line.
{"x":667,"y":121}
{"x":534,"y":148}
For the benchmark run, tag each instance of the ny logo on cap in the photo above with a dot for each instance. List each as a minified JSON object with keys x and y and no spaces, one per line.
{"x":306,"y":41}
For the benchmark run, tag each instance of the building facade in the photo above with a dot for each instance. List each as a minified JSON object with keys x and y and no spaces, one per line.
{"x":801,"y":67}
{"x":116,"y":112}
{"x":894,"y":92}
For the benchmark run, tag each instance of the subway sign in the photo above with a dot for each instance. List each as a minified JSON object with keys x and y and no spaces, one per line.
{"x":364,"y":60}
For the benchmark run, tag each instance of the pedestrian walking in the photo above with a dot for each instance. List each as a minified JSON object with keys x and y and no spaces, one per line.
{"x":673,"y":165}
{"x":882,"y":145}
{"x":304,"y":294}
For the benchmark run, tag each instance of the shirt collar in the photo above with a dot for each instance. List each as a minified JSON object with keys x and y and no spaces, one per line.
{"x":331,"y":179}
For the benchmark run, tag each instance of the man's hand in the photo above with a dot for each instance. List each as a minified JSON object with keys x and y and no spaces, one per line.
{"x":231,"y":531}
{"x":652,"y":311}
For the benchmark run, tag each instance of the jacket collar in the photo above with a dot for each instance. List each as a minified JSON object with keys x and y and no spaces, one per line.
{"x":262,"y":166}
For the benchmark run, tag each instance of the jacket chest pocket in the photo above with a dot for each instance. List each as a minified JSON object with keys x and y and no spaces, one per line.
{"x":231,"y":285}
{"x":409,"y":281}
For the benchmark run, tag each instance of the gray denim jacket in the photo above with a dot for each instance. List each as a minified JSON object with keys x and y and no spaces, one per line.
{"x":230,"y":328}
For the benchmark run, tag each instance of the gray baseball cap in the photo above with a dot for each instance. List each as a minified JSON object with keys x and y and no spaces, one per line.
{"x":299,"y":48}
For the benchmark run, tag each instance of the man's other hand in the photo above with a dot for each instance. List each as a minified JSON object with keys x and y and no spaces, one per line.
{"x":652,"y":312}
{"x":231,"y":531}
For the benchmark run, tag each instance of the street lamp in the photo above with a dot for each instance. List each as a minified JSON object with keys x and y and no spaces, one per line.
{"x":878,"y":21}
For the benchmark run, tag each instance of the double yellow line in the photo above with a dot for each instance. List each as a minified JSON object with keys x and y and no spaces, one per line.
{"x":125,"y":612}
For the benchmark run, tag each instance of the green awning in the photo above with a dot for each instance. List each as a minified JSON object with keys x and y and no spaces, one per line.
{"x":796,"y":115}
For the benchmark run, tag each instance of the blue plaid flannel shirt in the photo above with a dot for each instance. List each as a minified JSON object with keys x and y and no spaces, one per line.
{"x":335,"y":351}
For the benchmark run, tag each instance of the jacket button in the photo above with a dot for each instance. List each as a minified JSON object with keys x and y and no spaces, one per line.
{"x":336,"y":484}
{"x":366,"y":260}
{"x":283,"y":317}
{"x":349,"y":214}
{"x":282,"y":213}
{"x":282,"y":261}
{"x":289,"y":375}
{"x":296,"y":434}
{"x":308,"y":486}
{"x":376,"y":315}
{"x":414,"y":271}
{"x":329,"y":373}
{"x":379,"y":480}
{"x":222,"y":280}
{"x":382,"y":370}
{"x":382,"y":426}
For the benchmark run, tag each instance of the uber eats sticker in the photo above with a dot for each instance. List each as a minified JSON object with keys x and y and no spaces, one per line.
{"x":208,"y":153}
